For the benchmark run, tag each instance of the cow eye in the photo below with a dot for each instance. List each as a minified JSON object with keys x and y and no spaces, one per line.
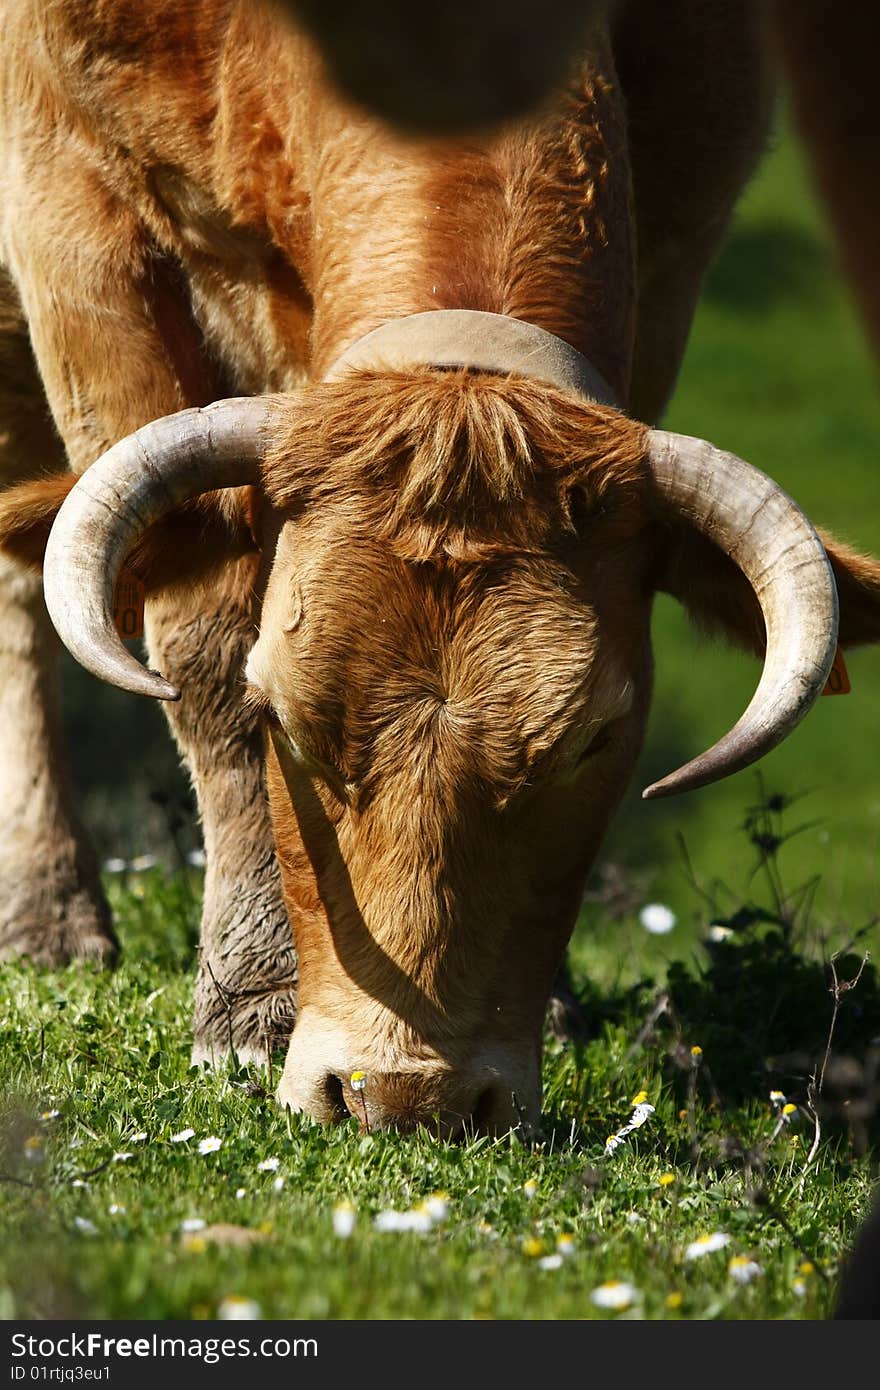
{"x":583,"y":510}
{"x":257,"y":703}
{"x":309,"y":762}
{"x":597,"y":745}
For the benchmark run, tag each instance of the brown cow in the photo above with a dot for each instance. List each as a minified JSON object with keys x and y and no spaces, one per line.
{"x":434,"y":501}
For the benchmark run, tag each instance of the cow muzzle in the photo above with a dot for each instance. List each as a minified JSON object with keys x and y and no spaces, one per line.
{"x":492,"y":1089}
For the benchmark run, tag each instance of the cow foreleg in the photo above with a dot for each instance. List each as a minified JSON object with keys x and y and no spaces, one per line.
{"x":245,"y":990}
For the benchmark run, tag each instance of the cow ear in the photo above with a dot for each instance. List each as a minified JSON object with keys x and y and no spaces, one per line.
{"x":720,"y":600}
{"x":193,"y":542}
{"x":187,"y":545}
{"x":858,"y":588}
{"x":27,"y":512}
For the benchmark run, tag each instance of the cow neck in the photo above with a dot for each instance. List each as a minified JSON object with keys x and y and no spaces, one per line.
{"x":478,"y":340}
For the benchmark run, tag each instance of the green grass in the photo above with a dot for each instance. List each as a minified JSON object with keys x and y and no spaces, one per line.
{"x":110,"y":1053}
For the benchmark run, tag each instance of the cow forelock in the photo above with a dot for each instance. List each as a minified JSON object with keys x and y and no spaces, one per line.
{"x":456,"y":463}
{"x":451,"y":732}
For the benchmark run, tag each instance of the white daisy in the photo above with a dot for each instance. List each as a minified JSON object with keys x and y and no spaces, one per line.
{"x":182,"y":1136}
{"x":269,"y":1165}
{"x":706,"y":1245}
{"x":414,"y":1220}
{"x":640,"y":1115}
{"x":437,"y":1206}
{"x":657,"y":918}
{"x":210,"y":1145}
{"x":614,"y":1294}
{"x":192,"y":1223}
{"x":235,"y":1308}
{"x":743,"y":1270}
{"x":344,"y":1220}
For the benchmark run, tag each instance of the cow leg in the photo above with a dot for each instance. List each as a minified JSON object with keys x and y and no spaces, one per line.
{"x":116,"y":346}
{"x":699,"y":98}
{"x":247,"y":968}
{"x":52,"y":907}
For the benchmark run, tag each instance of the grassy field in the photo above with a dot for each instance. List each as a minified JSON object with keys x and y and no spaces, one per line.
{"x":133,"y":1186}
{"x":100,"y":1205}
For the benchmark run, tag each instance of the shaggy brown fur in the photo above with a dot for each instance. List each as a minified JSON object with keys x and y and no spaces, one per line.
{"x":455,"y":463}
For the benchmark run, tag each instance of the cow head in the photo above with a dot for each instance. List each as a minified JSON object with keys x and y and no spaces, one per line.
{"x":454,"y":666}
{"x":455,"y":673}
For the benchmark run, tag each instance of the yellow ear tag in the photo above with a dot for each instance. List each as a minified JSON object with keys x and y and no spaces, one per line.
{"x":128,"y":605}
{"x":838,"y":677}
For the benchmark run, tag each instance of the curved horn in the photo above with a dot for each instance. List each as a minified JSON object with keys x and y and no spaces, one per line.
{"x":765,"y":533}
{"x":139,"y":480}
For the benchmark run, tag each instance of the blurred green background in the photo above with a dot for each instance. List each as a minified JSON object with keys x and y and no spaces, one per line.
{"x":777,"y":371}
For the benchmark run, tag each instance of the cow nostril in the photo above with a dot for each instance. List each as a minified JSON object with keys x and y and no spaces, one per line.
{"x":335,"y":1099}
{"x":482,"y":1112}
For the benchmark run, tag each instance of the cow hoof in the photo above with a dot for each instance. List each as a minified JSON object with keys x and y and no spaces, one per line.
{"x":53,"y":929}
{"x":246,"y":1025}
